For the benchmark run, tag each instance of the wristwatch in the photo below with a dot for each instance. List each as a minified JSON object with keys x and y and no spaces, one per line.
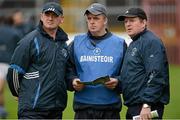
{"x":146,"y":105}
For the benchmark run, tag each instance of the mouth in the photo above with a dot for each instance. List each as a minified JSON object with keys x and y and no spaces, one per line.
{"x":93,"y":27}
{"x":49,"y":22}
{"x":129,"y":29}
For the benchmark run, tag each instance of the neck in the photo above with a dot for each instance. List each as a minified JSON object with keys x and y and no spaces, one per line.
{"x":137,"y":35}
{"x":101,"y":33}
{"x":51,"y":32}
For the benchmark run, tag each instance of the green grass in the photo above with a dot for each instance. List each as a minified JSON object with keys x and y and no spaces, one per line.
{"x":171,"y":110}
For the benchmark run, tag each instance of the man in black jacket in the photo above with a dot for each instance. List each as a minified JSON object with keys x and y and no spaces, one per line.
{"x":38,"y":66}
{"x":145,"y":73}
{"x":20,"y":24}
{"x":8,"y":41}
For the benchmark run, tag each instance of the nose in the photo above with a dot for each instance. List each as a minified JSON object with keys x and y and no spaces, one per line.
{"x":50,"y":16}
{"x":127,"y":23}
{"x":91,"y":21}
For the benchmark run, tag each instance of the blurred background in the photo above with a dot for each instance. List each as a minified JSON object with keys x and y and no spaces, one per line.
{"x":163,"y":19}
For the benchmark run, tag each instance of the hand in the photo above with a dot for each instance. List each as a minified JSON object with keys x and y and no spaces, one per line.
{"x":77,"y":85}
{"x":16,"y":98}
{"x":112,"y":83}
{"x":145,"y":114}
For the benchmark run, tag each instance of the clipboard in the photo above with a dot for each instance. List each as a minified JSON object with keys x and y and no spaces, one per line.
{"x":100,"y":80}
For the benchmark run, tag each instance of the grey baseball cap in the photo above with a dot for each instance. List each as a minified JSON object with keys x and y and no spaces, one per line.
{"x":96,"y":9}
{"x":54,"y":7}
{"x":133,"y":12}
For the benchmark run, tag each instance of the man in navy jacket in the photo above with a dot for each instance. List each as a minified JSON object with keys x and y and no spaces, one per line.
{"x":145,"y":73}
{"x":8,"y":41}
{"x":38,"y":68}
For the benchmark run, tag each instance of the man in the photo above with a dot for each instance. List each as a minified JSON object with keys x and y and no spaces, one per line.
{"x":19,"y":23}
{"x":37,"y":71}
{"x":145,"y":74}
{"x":8,"y":41}
{"x":97,"y":53}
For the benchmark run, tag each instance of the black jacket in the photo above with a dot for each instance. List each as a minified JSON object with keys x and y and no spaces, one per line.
{"x":38,"y":69}
{"x":145,"y":73}
{"x":8,"y":42}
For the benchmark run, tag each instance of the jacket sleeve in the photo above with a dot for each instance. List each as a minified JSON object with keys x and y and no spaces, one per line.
{"x":71,"y":69}
{"x":13,"y":77}
{"x":119,"y":86}
{"x":156,"y":67}
{"x":18,"y":65}
{"x":124,"y":51}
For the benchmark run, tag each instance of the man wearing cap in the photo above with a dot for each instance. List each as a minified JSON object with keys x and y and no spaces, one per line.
{"x":145,"y":74}
{"x":37,"y":70}
{"x":97,"y":53}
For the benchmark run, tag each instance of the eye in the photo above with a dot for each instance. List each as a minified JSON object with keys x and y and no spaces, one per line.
{"x":125,"y":21}
{"x":47,"y":13}
{"x":96,"y":18}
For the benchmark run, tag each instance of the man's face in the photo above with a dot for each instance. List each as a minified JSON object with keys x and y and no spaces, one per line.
{"x":18,"y":18}
{"x":50,"y":20}
{"x":96,"y":23}
{"x":134,"y":25}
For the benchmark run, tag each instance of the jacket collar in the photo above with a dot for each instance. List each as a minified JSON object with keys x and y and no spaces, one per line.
{"x":60,"y":34}
{"x":138,"y":35}
{"x":106,"y":35}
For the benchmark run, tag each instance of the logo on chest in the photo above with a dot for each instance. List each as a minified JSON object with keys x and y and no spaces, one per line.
{"x":97,"y":51}
{"x":134,"y":52}
{"x":64,"y":52}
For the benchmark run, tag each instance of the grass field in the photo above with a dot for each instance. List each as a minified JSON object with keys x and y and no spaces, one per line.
{"x":172,"y":110}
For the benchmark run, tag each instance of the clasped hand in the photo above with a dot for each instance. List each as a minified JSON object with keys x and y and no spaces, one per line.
{"x":79,"y":86}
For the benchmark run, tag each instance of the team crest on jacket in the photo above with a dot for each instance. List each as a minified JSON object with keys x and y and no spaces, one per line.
{"x":134,"y":51}
{"x":64,"y":52}
{"x":97,"y":51}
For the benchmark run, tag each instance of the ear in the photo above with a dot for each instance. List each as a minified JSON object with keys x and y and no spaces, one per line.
{"x":61,"y":19}
{"x":41,"y":16}
{"x":105,"y":22}
{"x":145,"y":21}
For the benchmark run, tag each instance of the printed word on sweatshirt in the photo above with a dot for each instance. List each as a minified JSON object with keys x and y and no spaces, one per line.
{"x":106,"y":59}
